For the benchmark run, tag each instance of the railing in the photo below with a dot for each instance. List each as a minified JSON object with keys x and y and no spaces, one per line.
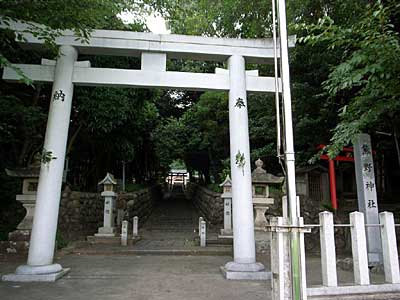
{"x":360,"y":255}
{"x":282,"y":229}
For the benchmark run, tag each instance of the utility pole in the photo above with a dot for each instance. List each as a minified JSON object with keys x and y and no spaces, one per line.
{"x":123,"y":176}
{"x":289,"y":154}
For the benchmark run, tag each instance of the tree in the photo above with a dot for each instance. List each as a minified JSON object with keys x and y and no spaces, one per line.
{"x":24,"y":108}
{"x":366,"y":80}
{"x":316,"y":108}
{"x":47,"y":19}
{"x":206,"y":125}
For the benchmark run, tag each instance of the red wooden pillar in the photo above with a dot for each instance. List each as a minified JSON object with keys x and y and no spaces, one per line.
{"x":332,"y":184}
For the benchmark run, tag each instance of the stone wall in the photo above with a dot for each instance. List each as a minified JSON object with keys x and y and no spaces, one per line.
{"x":140,"y":203}
{"x":309,"y":210}
{"x":81,"y":214}
{"x":209,"y":203}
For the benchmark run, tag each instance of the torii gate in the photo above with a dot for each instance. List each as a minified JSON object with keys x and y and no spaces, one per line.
{"x":154,"y":51}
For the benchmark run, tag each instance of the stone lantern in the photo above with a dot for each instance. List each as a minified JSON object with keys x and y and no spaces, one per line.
{"x":108,"y":229}
{"x":227,"y":196}
{"x":261,"y":180}
{"x":19,"y":239}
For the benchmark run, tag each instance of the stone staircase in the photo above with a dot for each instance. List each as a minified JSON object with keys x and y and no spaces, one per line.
{"x":172,"y":229}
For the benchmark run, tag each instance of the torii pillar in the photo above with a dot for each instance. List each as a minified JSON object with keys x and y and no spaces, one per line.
{"x":40,"y":266}
{"x":244,"y":265}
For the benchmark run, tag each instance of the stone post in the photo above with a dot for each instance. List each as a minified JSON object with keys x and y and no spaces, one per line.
{"x":124,"y":233}
{"x":389,"y":247}
{"x":280,"y":261}
{"x":359,"y":248}
{"x":200,"y":220}
{"x":120,"y":216}
{"x":135,"y":227}
{"x":281,"y":277}
{"x":303,"y":280}
{"x":366,"y":194}
{"x":244,"y":254}
{"x":328,"y":252}
{"x":227,"y":217}
{"x":203,"y":233}
{"x":227,"y":197}
{"x":40,"y":264}
{"x":284,"y":207}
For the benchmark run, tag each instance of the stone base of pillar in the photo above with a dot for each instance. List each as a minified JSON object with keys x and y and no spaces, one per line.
{"x":242,"y":271}
{"x":231,"y":275}
{"x":226,"y":233}
{"x":106,"y":232}
{"x":136,"y":237}
{"x":27,"y":273}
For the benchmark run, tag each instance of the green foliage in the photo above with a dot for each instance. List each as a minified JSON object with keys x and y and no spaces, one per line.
{"x":46,"y":20}
{"x":367,"y":75}
{"x":11,"y":211}
{"x":222,"y":18}
{"x":61,"y":242}
{"x":328,"y":207}
{"x":178,"y":164}
{"x":108,"y":125}
{"x":169,"y":137}
{"x":344,"y":73}
{"x":214,"y":187}
{"x":206,"y":124}
{"x":133,"y":187}
{"x":21,"y":123}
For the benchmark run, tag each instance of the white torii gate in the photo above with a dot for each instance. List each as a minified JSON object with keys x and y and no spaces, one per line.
{"x":154,"y":51}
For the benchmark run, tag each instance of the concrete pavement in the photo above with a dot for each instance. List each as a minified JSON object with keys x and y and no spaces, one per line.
{"x":153,"y":277}
{"x":136,"y":277}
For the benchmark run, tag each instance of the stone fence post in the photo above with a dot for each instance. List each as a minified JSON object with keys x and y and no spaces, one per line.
{"x":389,"y":247}
{"x":328,"y":251}
{"x":359,"y":248}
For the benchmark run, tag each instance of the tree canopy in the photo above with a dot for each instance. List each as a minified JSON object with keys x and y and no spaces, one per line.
{"x":344,"y":72}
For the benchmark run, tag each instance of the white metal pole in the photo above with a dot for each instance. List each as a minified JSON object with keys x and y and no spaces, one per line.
{"x":123,"y":176}
{"x":289,"y":152}
{"x":287,"y":104}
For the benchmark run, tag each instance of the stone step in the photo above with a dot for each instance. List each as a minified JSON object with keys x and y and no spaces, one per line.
{"x":173,"y":222}
{"x":198,"y":251}
{"x":170,"y":229}
{"x":219,"y":241}
{"x":116,"y":240}
{"x":171,"y":225}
